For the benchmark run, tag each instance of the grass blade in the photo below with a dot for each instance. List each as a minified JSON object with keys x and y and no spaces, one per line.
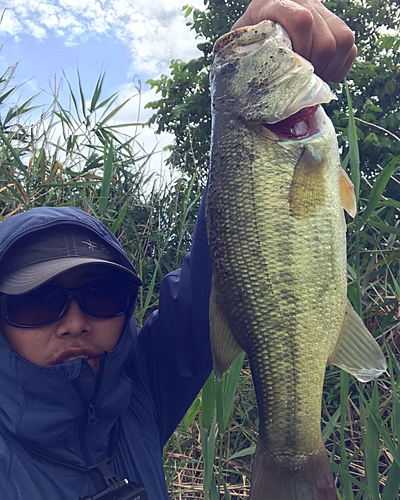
{"x":376,"y":192}
{"x":219,"y":401}
{"x":106,"y":183}
{"x":372,"y":448}
{"x":330,"y":426}
{"x":208,"y":402}
{"x":97,"y":92}
{"x":14,"y":153}
{"x":207,"y":438}
{"x":392,"y":485}
{"x":231,"y":382}
{"x":111,"y":114}
{"x":82,"y":96}
{"x":192,"y":412}
{"x":375,"y":221}
{"x":345,"y":475}
{"x":243,"y":453}
{"x":353,"y":146}
{"x":389,"y":442}
{"x":118,"y":221}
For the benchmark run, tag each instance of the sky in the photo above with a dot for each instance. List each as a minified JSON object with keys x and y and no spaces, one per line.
{"x":130,"y":40}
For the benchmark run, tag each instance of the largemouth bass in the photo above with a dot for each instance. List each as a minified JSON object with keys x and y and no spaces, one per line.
{"x":277,"y":233}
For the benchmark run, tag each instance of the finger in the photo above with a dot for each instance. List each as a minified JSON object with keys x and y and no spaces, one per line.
{"x":316,"y":33}
{"x":251,"y":15}
{"x":338,"y":55}
{"x":346,"y":66}
{"x":324,"y":45}
{"x":296,"y":19}
{"x":298,"y":22}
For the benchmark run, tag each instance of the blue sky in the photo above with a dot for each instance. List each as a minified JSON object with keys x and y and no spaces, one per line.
{"x":40,"y":60}
{"x":125,"y":38}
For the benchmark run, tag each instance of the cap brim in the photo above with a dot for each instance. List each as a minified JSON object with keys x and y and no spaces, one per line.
{"x":30,"y":277}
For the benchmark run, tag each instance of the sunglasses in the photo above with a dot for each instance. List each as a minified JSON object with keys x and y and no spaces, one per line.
{"x":106,"y":298}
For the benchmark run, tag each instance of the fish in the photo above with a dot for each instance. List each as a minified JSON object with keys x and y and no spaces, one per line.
{"x":277,"y":232}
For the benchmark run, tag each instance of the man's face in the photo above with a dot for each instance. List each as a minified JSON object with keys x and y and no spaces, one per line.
{"x":74,"y":334}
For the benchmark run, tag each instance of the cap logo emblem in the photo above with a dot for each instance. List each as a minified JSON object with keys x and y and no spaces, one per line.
{"x":92,"y":245}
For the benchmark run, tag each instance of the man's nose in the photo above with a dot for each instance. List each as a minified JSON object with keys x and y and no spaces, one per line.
{"x":74,"y":321}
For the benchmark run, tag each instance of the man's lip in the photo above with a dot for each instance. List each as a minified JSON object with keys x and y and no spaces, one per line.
{"x":75,"y":352}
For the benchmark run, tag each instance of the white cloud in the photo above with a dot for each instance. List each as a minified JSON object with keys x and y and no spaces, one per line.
{"x":154,"y":30}
{"x":10,"y":24}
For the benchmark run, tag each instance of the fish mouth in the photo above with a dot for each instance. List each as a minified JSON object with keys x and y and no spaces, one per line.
{"x":250,"y":38}
{"x":300,"y":125}
{"x":229,"y":37}
{"x":270,"y":82}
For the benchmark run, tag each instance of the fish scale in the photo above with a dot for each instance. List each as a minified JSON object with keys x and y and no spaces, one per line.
{"x":269,"y":315}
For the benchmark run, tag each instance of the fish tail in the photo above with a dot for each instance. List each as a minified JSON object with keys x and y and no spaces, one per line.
{"x":272,"y":480}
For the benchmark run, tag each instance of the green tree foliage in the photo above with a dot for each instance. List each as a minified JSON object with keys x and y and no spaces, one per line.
{"x":184,"y":105}
{"x":374,"y":81}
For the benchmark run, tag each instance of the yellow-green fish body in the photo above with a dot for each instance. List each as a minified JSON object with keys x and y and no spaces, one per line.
{"x":277,"y":233}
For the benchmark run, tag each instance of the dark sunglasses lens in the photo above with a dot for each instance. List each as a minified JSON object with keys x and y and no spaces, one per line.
{"x":105,"y":299}
{"x":39,"y":307}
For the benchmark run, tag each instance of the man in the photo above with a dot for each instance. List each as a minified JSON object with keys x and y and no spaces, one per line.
{"x":86,"y":402}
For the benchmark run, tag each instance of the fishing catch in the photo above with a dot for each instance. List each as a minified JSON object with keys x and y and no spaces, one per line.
{"x":277,"y":233}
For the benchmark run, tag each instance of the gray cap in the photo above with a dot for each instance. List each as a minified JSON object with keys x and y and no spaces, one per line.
{"x":40,"y":256}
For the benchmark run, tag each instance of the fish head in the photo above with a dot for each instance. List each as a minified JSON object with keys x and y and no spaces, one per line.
{"x":256,"y":74}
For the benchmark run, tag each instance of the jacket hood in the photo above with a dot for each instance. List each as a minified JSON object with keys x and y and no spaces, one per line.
{"x":19,"y":225}
{"x":46,"y":407}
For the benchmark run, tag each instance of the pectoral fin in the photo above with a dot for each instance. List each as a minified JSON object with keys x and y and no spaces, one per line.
{"x":357,"y":352}
{"x":347,"y":196}
{"x":224,"y":347}
{"x":307,"y":193}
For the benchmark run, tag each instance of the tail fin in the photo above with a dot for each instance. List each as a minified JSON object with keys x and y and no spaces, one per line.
{"x":272,"y":480}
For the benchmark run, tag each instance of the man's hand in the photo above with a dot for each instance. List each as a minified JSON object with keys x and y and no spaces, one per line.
{"x":317,"y":34}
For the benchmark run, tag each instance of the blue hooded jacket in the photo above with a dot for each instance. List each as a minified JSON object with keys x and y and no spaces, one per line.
{"x":145,"y":385}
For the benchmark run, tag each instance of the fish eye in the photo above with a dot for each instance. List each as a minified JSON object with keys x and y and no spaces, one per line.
{"x":229,"y":67}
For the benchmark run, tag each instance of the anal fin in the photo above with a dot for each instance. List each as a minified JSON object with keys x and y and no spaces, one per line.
{"x":357,"y":352}
{"x":224,"y":347}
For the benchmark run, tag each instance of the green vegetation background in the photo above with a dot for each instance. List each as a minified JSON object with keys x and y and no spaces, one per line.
{"x":78,"y":155}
